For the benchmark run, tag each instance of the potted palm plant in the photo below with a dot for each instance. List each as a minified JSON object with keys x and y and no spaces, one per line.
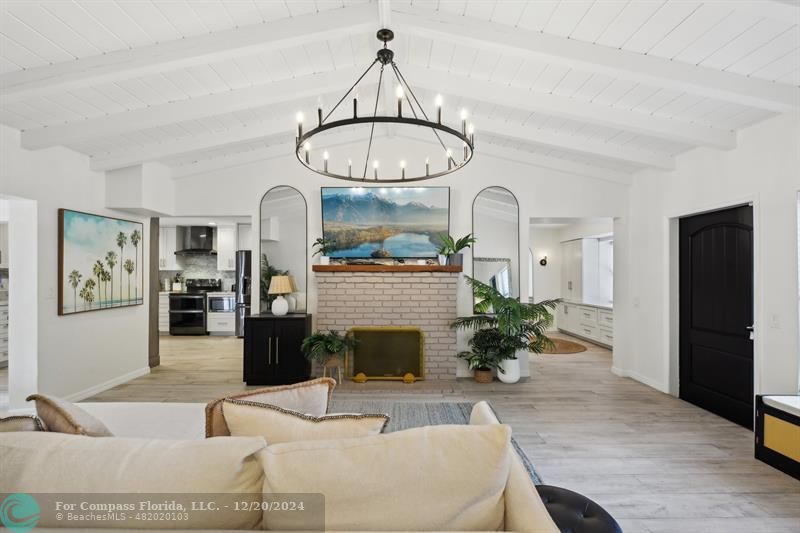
{"x":326,"y":348}
{"x":487,"y":352}
{"x":504,"y":326}
{"x":323,"y":248}
{"x":452,"y":248}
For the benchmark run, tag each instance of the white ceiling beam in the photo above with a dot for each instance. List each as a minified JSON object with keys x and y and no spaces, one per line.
{"x":569,"y":108}
{"x":552,"y":163}
{"x":588,"y":57}
{"x":193,"y":143}
{"x":537,"y":160}
{"x":272,"y":151}
{"x":182,"y":53}
{"x":194,"y":108}
{"x":569,"y":142}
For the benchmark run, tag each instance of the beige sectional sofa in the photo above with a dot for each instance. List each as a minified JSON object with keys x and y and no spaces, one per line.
{"x":446,"y":478}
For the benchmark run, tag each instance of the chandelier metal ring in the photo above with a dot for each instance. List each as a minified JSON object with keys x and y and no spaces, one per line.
{"x":405,"y":94}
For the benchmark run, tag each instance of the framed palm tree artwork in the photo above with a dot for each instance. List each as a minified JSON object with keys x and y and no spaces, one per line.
{"x":101,"y":262}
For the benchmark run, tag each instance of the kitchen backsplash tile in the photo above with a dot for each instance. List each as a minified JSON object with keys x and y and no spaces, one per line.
{"x":200,"y":266}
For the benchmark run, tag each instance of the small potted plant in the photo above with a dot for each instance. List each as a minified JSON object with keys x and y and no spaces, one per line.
{"x":485,"y":354}
{"x":327,"y":348}
{"x":452,"y":248}
{"x":323,"y":248}
{"x":442,"y":255}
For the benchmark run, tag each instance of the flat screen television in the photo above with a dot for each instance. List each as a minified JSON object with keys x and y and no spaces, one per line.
{"x":385,"y":222}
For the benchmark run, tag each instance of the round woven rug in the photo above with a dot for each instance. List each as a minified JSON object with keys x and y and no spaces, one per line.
{"x":563,"y":346}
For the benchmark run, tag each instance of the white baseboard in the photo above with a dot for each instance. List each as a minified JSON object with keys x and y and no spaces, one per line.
{"x":640,"y":378}
{"x":111,"y":383}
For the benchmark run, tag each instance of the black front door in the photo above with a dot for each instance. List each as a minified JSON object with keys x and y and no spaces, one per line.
{"x":716,"y":312}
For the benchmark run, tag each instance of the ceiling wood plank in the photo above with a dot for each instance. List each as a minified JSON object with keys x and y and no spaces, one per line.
{"x":556,"y":105}
{"x":621,"y":64}
{"x":188,"y":52}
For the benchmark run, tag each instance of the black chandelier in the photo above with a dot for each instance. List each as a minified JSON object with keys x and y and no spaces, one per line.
{"x":385,"y":57}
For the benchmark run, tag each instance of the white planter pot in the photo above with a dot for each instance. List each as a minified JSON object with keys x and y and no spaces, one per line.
{"x":511,"y":371}
{"x":324,"y":260}
{"x":442,"y":260}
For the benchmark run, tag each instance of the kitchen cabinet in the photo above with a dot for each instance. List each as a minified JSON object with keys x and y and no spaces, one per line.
{"x":272,"y":354}
{"x":244,"y":235}
{"x":590,"y":322}
{"x":579,"y":270}
{"x":3,"y":245}
{"x":167,"y":244}
{"x":163,"y":312}
{"x":226,"y":248}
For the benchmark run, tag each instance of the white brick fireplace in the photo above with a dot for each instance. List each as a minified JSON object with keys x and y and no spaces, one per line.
{"x":401,"y":297}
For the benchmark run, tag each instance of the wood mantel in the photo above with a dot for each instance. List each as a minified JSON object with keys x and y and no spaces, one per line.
{"x":386,"y":268}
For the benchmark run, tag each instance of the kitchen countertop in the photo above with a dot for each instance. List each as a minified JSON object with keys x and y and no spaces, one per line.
{"x":590,"y":304}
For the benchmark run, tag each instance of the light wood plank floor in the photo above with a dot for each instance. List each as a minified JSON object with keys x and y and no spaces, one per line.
{"x":656,"y":463}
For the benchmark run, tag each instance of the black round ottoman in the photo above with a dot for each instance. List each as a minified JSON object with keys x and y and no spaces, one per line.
{"x":575,"y":513}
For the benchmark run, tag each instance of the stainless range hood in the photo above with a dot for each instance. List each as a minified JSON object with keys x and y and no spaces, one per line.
{"x":196,"y":240}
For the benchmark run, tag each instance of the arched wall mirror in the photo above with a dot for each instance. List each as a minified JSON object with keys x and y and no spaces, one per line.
{"x":495,"y":254}
{"x":283,"y":246}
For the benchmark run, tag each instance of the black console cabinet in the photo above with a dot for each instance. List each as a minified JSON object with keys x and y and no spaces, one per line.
{"x":272,"y":353}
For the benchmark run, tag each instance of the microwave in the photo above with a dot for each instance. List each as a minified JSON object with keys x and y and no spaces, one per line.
{"x":222,"y":303}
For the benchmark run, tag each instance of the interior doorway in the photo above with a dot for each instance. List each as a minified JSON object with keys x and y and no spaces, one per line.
{"x":715,"y":280}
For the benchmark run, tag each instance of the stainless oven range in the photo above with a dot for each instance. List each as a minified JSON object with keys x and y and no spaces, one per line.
{"x":187,"y":310}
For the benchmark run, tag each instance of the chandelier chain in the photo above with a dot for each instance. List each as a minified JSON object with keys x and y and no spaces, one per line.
{"x":350,"y":90}
{"x":402,"y":80}
{"x":372,"y":128}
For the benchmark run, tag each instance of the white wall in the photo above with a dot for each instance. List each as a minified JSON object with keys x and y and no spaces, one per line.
{"x":540,"y":192}
{"x":79,"y":354}
{"x":764,"y":169}
{"x":546,"y":241}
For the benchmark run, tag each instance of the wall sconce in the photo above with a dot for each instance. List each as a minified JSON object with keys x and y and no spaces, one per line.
{"x":543,"y":261}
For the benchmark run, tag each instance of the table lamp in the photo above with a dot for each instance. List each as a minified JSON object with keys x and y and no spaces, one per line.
{"x":280,"y":285}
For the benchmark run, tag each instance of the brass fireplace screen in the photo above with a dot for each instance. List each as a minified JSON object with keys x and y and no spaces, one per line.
{"x":387,"y":353}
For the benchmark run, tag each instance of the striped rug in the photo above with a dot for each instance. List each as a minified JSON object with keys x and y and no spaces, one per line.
{"x":404,"y":415}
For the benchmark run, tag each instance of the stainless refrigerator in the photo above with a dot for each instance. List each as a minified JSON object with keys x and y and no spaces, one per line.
{"x":243,"y":284}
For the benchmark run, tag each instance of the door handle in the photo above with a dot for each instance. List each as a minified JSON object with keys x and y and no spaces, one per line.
{"x":269,"y":350}
{"x":277,"y":349}
{"x":750,"y":329}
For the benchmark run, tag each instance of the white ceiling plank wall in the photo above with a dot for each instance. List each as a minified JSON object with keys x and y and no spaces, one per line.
{"x":614,"y":85}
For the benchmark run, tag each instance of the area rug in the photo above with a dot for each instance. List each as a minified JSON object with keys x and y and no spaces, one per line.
{"x":404,"y":415}
{"x":563,"y":346}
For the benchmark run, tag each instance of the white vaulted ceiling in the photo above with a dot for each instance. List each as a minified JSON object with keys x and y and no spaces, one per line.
{"x":606,"y":86}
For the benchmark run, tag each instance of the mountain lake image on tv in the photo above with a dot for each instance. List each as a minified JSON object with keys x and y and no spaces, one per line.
{"x":382,"y":222}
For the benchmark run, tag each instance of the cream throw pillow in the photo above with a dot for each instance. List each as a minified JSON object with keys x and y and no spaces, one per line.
{"x":525,"y":510}
{"x":434,"y":478}
{"x":248,"y":419}
{"x":309,"y":397}
{"x":62,"y":416}
{"x":57,"y":463}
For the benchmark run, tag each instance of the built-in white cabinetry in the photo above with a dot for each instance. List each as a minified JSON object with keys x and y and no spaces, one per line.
{"x":593,"y":323}
{"x":163,"y":312}
{"x":244,"y":235}
{"x":579,"y":269}
{"x":4,"y":333}
{"x":167,"y":244}
{"x":3,"y":245}
{"x":226,"y":248}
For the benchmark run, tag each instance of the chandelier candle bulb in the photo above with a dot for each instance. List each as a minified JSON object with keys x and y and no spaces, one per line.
{"x":299,"y":125}
{"x":319,"y":114}
{"x":349,"y":168}
{"x":439,"y":108}
{"x":471,"y":132}
{"x":402,"y":169}
{"x":307,"y":148}
{"x":325,"y":159}
{"x":375,"y":168}
{"x":427,"y":166}
{"x":355,"y":104}
{"x":449,"y":159}
{"x":464,"y":122}
{"x":399,"y":93}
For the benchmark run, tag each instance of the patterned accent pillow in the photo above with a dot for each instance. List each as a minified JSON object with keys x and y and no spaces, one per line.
{"x":61,"y":416}
{"x":21,"y":423}
{"x":310,"y":397}
{"x":249,"y":419}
